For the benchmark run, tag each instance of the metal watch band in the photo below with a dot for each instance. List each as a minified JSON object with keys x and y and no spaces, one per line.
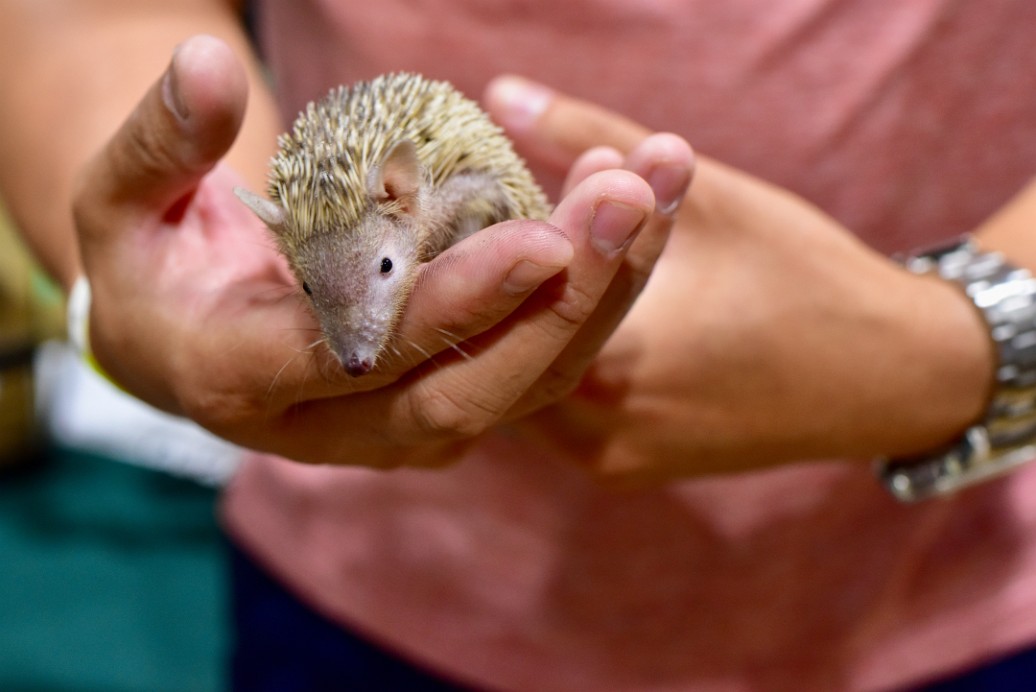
{"x":1006,"y":436}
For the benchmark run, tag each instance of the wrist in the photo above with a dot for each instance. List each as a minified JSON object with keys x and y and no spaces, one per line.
{"x":1003,"y":435}
{"x":903,"y":371}
{"x":902,"y":364}
{"x":955,"y":362}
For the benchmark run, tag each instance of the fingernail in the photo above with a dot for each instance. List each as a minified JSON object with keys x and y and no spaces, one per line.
{"x":526,"y":275}
{"x":520,"y":101}
{"x":669,"y":184}
{"x":171,"y":94}
{"x":614,"y":225}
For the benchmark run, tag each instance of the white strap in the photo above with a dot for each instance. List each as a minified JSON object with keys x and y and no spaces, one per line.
{"x":79,"y":316}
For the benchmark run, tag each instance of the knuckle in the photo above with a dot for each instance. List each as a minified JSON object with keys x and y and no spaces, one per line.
{"x":441,"y":416}
{"x":464,"y":322}
{"x":556,"y":384}
{"x":214,"y":403}
{"x":573,"y":308}
{"x":232,"y":416}
{"x":209,"y":408}
{"x":145,"y":155}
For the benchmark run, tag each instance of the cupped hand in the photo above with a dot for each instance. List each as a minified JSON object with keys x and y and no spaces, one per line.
{"x":768,"y":333}
{"x":194,"y":312}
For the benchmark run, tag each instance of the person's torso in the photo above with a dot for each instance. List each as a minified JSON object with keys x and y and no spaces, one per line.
{"x":908,"y":121}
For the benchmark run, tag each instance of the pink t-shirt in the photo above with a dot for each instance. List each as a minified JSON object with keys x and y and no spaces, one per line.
{"x":910,"y":122}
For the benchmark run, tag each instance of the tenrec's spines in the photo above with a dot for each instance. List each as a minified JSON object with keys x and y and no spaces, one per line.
{"x":319,"y":175}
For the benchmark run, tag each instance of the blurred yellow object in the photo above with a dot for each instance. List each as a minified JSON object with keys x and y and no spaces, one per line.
{"x":30,"y":311}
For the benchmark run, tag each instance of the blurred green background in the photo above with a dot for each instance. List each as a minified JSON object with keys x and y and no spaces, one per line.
{"x":111,"y":579}
{"x":111,"y":575}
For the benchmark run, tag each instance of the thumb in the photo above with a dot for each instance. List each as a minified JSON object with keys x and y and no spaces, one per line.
{"x":554,"y":127}
{"x":184,"y":124}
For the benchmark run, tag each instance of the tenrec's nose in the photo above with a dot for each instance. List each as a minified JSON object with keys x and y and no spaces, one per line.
{"x":356,"y":354}
{"x":355,"y":366}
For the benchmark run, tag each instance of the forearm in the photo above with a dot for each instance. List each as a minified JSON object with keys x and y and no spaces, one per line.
{"x":73,"y":71}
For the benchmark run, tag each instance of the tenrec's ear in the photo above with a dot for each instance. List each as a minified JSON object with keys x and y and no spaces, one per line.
{"x":268,"y":212}
{"x":398,"y":178}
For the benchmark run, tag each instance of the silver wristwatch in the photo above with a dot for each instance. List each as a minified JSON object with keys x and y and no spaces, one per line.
{"x":1006,"y":436}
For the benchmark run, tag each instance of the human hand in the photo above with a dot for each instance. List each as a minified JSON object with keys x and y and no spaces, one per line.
{"x":768,"y":333}
{"x":194,"y":312}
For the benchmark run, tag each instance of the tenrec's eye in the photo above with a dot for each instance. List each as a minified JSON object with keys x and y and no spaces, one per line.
{"x":386,"y":265}
{"x":307,"y":289}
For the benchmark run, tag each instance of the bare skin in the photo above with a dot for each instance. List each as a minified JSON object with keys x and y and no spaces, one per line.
{"x":785,"y":338}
